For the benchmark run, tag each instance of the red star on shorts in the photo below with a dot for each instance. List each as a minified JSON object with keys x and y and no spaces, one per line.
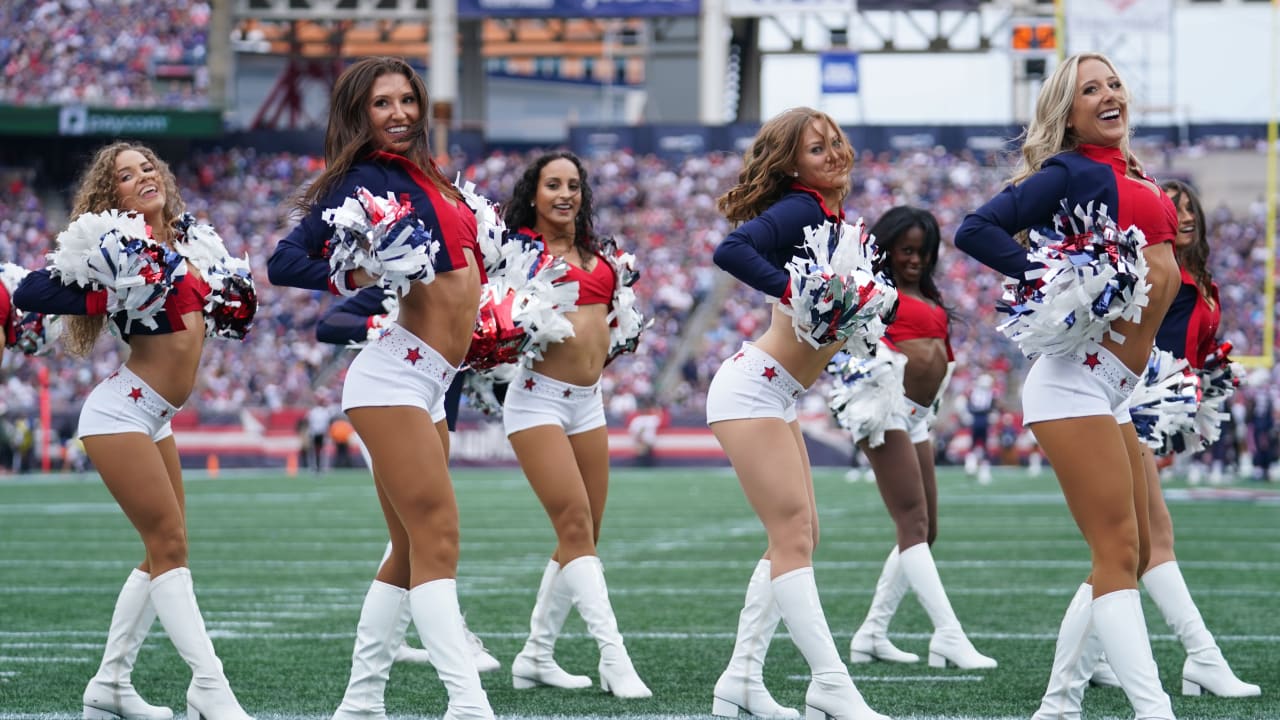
{"x":164,"y":413}
{"x":1091,"y":359}
{"x":135,"y":394}
{"x":413,"y":356}
{"x":770,"y":372}
{"x":1124,"y":382}
{"x":567,"y":392}
{"x":529,"y":383}
{"x":114,"y":375}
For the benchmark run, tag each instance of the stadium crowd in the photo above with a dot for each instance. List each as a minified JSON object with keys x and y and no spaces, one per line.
{"x":105,"y":53}
{"x":665,"y":212}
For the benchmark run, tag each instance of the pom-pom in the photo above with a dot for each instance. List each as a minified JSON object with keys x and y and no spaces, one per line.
{"x":540,"y":306}
{"x":112,"y":250}
{"x":383,"y":237}
{"x":626,"y":322}
{"x":478,"y":387}
{"x":835,"y":295}
{"x":1091,"y":274}
{"x":11,"y":276}
{"x":491,"y":231}
{"x":1219,"y":379}
{"x":37,"y":333}
{"x":1163,"y":407}
{"x":496,"y":339}
{"x":232,"y":301}
{"x":867,"y":392}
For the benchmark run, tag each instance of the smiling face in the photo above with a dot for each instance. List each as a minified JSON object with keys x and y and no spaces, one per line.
{"x":139,"y":186}
{"x":393,"y":110}
{"x":1188,"y":232}
{"x":822,"y":161}
{"x":1100,"y":106}
{"x":559,"y":196}
{"x":909,"y":259}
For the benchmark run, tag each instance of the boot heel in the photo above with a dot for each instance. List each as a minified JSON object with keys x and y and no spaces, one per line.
{"x":193,"y":713}
{"x":813,"y":713}
{"x":1188,"y":688}
{"x":724,"y":708}
{"x":94,"y":713}
{"x":936,"y":660}
{"x":856,"y":657}
{"x":523,"y":683}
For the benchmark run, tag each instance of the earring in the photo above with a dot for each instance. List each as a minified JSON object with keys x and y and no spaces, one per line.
{"x":795,"y":173}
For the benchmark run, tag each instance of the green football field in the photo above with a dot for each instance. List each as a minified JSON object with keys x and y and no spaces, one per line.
{"x":281,"y":565}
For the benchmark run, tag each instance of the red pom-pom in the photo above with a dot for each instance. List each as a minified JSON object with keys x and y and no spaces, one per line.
{"x":496,"y":340}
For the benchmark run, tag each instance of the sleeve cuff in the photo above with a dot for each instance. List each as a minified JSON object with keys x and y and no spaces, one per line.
{"x":785,"y":298}
{"x":95,"y":302}
{"x":346,"y":287}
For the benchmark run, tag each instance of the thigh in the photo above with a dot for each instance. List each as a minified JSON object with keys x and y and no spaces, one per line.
{"x":1137,"y":451}
{"x":928,"y":483}
{"x":168,"y":448}
{"x":136,"y":474}
{"x":1158,"y":511}
{"x":1091,"y":460}
{"x":394,"y":570}
{"x":409,"y":466}
{"x":897,"y":472}
{"x":798,"y":435}
{"x":547,"y":458}
{"x":591,"y":451}
{"x":771,"y":468}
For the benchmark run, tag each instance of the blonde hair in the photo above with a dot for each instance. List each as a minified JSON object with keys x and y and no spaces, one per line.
{"x":767,"y":167}
{"x":97,"y":191}
{"x":1048,"y":134}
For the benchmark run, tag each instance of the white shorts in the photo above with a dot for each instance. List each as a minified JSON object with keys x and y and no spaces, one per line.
{"x":917,"y":421}
{"x":1065,"y":387}
{"x":751,"y":384}
{"x":534,"y":399}
{"x":124,"y":403}
{"x":398,"y":369}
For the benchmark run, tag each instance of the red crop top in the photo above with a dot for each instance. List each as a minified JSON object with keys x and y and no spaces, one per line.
{"x":595,"y":287}
{"x":918,"y":319}
{"x":1141,"y":203}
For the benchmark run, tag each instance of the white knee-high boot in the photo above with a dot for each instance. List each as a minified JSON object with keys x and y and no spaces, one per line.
{"x":1118,"y":620}
{"x":110,"y":694}
{"x":741,"y":685}
{"x":439,"y":622}
{"x":1205,"y":668}
{"x":831,"y":694}
{"x":584,"y":578}
{"x":383,"y":619}
{"x":536,"y":664}
{"x":1073,"y":659}
{"x":209,"y":696}
{"x":949,"y":644}
{"x":871,"y":641}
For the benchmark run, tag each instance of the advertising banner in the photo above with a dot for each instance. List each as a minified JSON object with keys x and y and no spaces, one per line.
{"x":839,"y":73}
{"x":78,"y":120}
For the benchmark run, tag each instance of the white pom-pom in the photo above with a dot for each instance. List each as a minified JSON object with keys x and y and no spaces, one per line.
{"x":835,"y":296}
{"x":540,"y":307}
{"x":79,"y":244}
{"x":478,"y":387}
{"x":383,"y":237}
{"x":867,"y":393}
{"x":1163,"y":407}
{"x":11,"y":276}
{"x":1092,"y":274}
{"x":626,"y":322}
{"x":1219,"y":379}
{"x":491,"y":231}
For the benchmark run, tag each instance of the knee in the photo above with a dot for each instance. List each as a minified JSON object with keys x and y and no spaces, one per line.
{"x":436,"y":542}
{"x":575,"y":528}
{"x":795,"y":537}
{"x":1118,"y":552}
{"x":167,"y":546}
{"x":913,"y":526}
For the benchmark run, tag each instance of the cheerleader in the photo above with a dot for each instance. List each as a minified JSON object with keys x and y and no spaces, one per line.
{"x":553,"y":415}
{"x":900,"y":450}
{"x":376,"y":153}
{"x":1076,"y":158}
{"x":1188,"y":331}
{"x":795,"y":176}
{"x":125,"y":421}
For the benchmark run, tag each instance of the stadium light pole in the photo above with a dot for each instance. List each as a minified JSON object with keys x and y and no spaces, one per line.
{"x":713,"y":57}
{"x":443,"y":89}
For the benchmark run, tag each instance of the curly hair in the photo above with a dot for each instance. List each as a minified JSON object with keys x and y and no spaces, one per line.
{"x":350,"y":136}
{"x":1048,"y":134}
{"x":892,"y":227}
{"x":768,"y":164}
{"x":520,"y":212}
{"x":1193,"y":258}
{"x":97,"y":191}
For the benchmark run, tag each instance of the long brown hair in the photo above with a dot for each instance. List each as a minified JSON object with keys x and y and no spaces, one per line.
{"x":1193,"y":258}
{"x":350,"y":137}
{"x":767,"y":167}
{"x":97,"y":191}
